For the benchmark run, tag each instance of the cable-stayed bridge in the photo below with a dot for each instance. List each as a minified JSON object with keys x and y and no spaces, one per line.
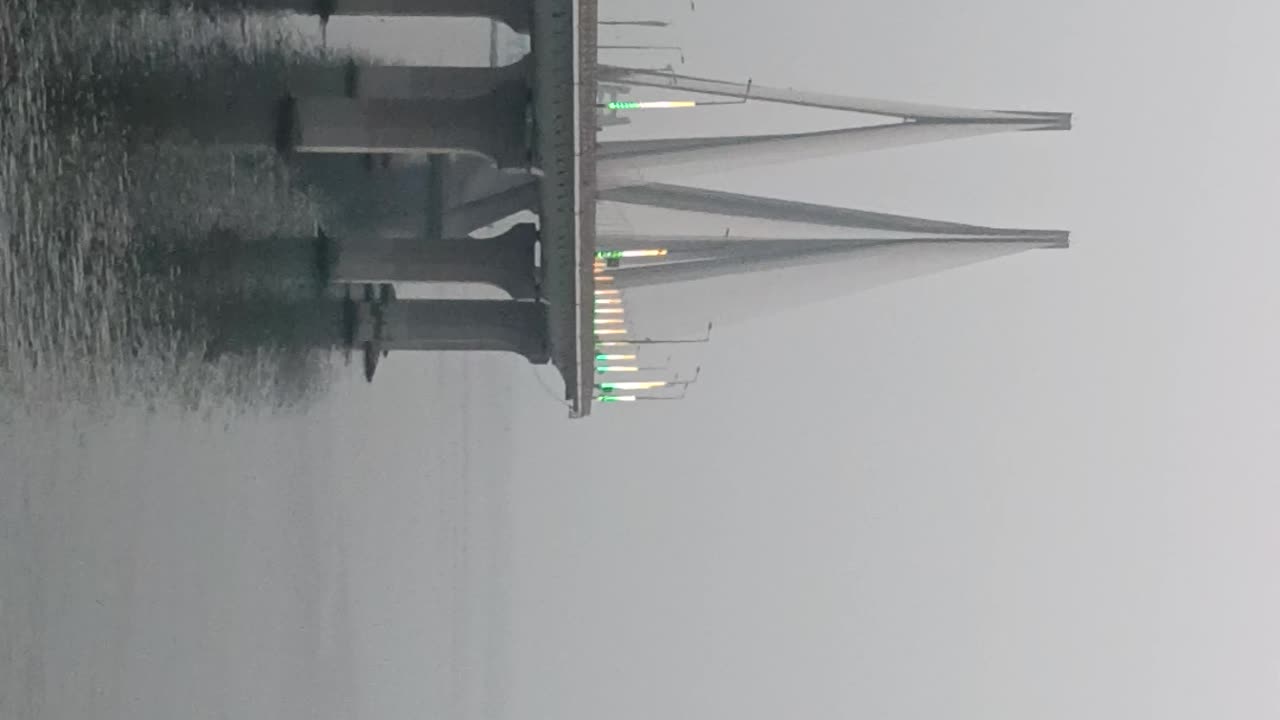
{"x":463,"y":149}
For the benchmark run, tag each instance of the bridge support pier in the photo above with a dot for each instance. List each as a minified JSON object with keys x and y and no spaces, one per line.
{"x":449,"y":325}
{"x":514,"y":13}
{"x":467,"y":217}
{"x":401,"y":199}
{"x":505,"y":261}
{"x":376,"y":328}
{"x":405,"y":82}
{"x":493,"y":125}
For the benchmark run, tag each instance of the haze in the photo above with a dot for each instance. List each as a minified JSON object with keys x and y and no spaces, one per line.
{"x":1037,"y":487}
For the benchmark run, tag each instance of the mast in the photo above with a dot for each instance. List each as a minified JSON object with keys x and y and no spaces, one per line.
{"x":624,"y":163}
{"x":691,"y":199}
{"x":640,"y":77}
{"x":761,"y":256}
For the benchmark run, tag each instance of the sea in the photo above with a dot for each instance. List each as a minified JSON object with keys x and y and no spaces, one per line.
{"x":191,"y":532}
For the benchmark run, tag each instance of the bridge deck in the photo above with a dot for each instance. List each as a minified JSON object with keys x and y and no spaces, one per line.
{"x":564,"y":47}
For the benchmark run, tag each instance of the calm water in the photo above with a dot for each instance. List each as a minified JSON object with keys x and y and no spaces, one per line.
{"x":188,"y":533}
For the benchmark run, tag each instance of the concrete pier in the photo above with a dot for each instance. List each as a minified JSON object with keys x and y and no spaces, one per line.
{"x":467,"y":217}
{"x":429,"y":197}
{"x":406,"y":82}
{"x":310,"y":264}
{"x":377,"y":328}
{"x":493,"y":125}
{"x":449,"y":325}
{"x":515,"y":14}
{"x":505,"y":261}
{"x":359,"y":196}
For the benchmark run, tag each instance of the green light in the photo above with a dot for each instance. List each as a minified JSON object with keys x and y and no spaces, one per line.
{"x":650,"y":104}
{"x":620,"y":254}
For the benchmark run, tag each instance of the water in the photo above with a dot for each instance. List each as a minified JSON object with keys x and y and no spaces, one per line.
{"x":186,"y":532}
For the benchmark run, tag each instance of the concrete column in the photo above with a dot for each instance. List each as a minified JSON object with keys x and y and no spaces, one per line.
{"x":514,"y":13}
{"x":436,"y":202}
{"x":426,"y":325}
{"x":465,"y":218}
{"x":475,"y":325}
{"x":493,"y":125}
{"x":505,"y":261}
{"x":359,"y":197}
{"x":405,"y":199}
{"x":405,"y":82}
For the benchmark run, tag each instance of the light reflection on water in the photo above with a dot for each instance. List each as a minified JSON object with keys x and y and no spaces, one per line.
{"x":186,"y":534}
{"x":99,"y":191}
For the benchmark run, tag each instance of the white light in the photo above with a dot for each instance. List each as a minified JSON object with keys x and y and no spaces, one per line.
{"x":634,"y":385}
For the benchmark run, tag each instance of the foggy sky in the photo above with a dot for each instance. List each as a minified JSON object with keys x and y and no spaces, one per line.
{"x":1041,"y":487}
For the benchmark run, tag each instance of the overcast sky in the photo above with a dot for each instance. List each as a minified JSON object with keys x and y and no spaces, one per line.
{"x":1038,"y":488}
{"x":1041,"y":487}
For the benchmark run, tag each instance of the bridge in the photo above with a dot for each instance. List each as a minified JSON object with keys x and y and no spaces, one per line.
{"x":535,"y":118}
{"x":524,"y":137}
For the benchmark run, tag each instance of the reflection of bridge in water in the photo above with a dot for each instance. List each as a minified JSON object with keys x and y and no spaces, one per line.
{"x":503,"y":140}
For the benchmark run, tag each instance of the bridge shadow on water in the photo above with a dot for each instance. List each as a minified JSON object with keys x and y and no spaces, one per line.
{"x":130,"y":253}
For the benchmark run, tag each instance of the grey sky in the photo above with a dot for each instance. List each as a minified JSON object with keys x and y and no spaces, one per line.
{"x":1039,"y":487}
